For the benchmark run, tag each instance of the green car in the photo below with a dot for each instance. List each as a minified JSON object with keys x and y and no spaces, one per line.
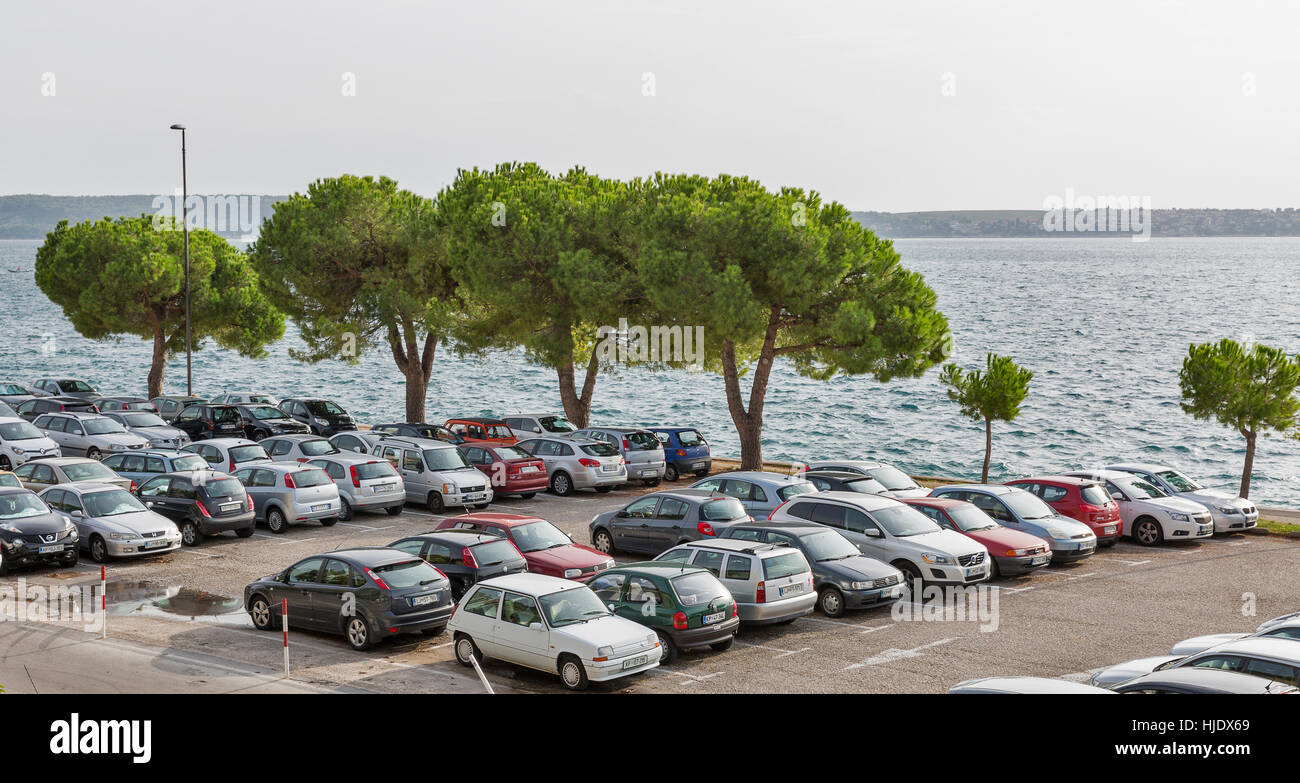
{"x":685,"y":605}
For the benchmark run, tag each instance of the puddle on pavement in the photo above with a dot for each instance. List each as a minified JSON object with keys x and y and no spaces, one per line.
{"x":151,"y":598}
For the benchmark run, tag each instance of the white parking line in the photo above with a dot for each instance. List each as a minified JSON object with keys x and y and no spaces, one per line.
{"x":691,"y":679}
{"x":1132,"y":562}
{"x":1011,"y":590}
{"x":859,"y":627}
{"x":1082,"y":576}
{"x":783,"y":653}
{"x":353,"y":524}
{"x":895,"y":654}
{"x":200,"y":554}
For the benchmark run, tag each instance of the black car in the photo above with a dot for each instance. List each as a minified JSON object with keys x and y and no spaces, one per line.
{"x":201,"y":503}
{"x":31,"y":533}
{"x":170,"y":405}
{"x":844,"y":481}
{"x":202,"y":421}
{"x":414,"y":429}
{"x":263,"y":421}
{"x":661,"y":520}
{"x":324,"y":417}
{"x":40,"y":405}
{"x":365,"y":594}
{"x":845,"y":578}
{"x":465,"y":557}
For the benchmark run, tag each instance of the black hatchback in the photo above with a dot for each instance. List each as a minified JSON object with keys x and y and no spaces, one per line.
{"x":465,"y":557}
{"x":31,"y":533}
{"x":324,"y":417}
{"x":845,"y":481}
{"x":263,"y":421}
{"x":366,"y":594}
{"x":202,"y":421}
{"x":201,"y":503}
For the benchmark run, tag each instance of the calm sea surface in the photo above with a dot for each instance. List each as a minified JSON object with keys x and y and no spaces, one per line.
{"x":1103,"y":323}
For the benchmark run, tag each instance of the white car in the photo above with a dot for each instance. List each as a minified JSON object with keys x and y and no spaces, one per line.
{"x":893,"y":532}
{"x":1149,"y":514}
{"x":897,"y":483}
{"x":1230,"y":511}
{"x":552,"y":625}
{"x":1284,"y":627}
{"x":1024,"y":685}
{"x":20,"y":441}
{"x":1272,"y":658}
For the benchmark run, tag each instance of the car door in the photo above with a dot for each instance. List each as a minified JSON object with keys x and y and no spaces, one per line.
{"x":667,"y":527}
{"x":521,"y":635}
{"x":867,"y":535}
{"x":189,"y":421}
{"x":300,"y":588}
{"x":153,"y":493}
{"x":478,"y":618}
{"x":609,"y":589}
{"x":333,"y":596}
{"x":631,"y":525}
{"x":36,"y":477}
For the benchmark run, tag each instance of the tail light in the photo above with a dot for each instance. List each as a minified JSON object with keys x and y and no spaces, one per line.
{"x":468,"y":557}
{"x":735,"y":609}
{"x":232,"y":464}
{"x":288,"y":481}
{"x":249,"y":498}
{"x":62,"y":407}
{"x":352,"y":469}
{"x":133,"y":488}
{"x":512,"y":467}
{"x":202,"y":509}
{"x":679,"y":621}
{"x":706,"y":529}
{"x":440,"y":573}
{"x":760,"y":595}
{"x":778,"y":508}
{"x":626,"y":445}
{"x":681,"y":452}
{"x":588,"y":462}
{"x":382,"y":584}
{"x":517,"y":549}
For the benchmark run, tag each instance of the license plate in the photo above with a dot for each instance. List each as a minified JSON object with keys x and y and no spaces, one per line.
{"x":647,"y":473}
{"x":528,"y":469}
{"x":1110,"y":529}
{"x":974,"y":571}
{"x":384,"y":488}
{"x":45,"y":550}
{"x":230,"y":506}
{"x":715,"y":617}
{"x":697,"y":466}
{"x":479,"y":496}
{"x":1040,"y":559}
{"x":155,"y":544}
{"x":892,"y":592}
{"x":788,"y":589}
{"x":424,"y":600}
{"x":608,"y":468}
{"x":632,"y":663}
{"x":1085,"y":549}
{"x":321,"y":507}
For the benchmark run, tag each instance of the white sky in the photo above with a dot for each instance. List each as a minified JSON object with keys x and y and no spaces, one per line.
{"x":1107,"y":98}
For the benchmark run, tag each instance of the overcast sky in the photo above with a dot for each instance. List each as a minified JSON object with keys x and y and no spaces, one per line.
{"x":893,"y":106}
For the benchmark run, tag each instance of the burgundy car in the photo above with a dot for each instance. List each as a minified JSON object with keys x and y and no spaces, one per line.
{"x":510,"y":469}
{"x":547,"y":549}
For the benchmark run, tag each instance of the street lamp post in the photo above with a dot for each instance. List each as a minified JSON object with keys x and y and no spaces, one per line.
{"x":185,"y":225}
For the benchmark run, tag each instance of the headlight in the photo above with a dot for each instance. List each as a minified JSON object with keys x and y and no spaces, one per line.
{"x":121,"y":536}
{"x":18,"y":450}
{"x":652,"y":639}
{"x":1059,"y":535}
{"x":9,"y":528}
{"x":934,"y":559}
{"x":1017,"y":552}
{"x":448,"y":489}
{"x":320,"y":422}
{"x":1228,"y":510}
{"x":1180,"y":517}
{"x":860,"y":585}
{"x":604,"y":652}
{"x":572,"y":573}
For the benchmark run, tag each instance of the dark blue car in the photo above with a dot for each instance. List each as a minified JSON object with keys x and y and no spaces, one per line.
{"x":685,"y":451}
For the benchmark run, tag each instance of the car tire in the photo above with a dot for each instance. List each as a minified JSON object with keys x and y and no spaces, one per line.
{"x":1111,"y":542}
{"x":244,"y":532}
{"x":98,"y":549}
{"x":330,"y":521}
{"x":359,"y":633}
{"x":275,"y":521}
{"x":258,"y":436}
{"x":603,"y":542}
{"x":435,"y":503}
{"x":4,"y":567}
{"x":345,"y":509}
{"x":831,"y":602}
{"x":670,"y":472}
{"x":994,"y":571}
{"x":1147,"y":532}
{"x":71,"y":559}
{"x":573,"y":675}
{"x":261,"y":613}
{"x":723,"y":645}
{"x":667,"y":650}
{"x":466,"y":650}
{"x":701,"y":473}
{"x":911,"y":574}
{"x":528,"y":495}
{"x":393,"y":510}
{"x":561,"y":484}
{"x":190,"y":533}
{"x":5,"y":464}
{"x":94,"y":453}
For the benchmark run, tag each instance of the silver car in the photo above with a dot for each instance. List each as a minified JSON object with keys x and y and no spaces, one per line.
{"x":574,"y":463}
{"x":227,"y":454}
{"x":1269,"y":657}
{"x":1230,"y":511}
{"x":244,"y":398}
{"x":358,"y":441}
{"x":527,"y":425}
{"x":66,"y":387}
{"x":771,"y":584}
{"x":88,"y":434}
{"x":113,"y":522}
{"x":20,"y":442}
{"x":298,"y":448}
{"x":365,"y":483}
{"x":152,"y":428}
{"x":435,"y":473}
{"x":287,"y":493}
{"x":760,"y":492}
{"x":898,"y":483}
{"x":640,"y":447}
{"x":41,"y":473}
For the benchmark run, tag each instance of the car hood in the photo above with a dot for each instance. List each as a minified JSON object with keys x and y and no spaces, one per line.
{"x":120,"y":438}
{"x":946,"y":541}
{"x":571,"y":556}
{"x":600,"y":518}
{"x":1198,"y":643}
{"x":1217,"y":497}
{"x":462,"y":477}
{"x":1069,"y":527}
{"x":1175,"y":505}
{"x":609,"y":630}
{"x":916,"y":492}
{"x":42,"y":443}
{"x":858,"y":568}
{"x":158,"y":431}
{"x":135,"y":522}
{"x":45,"y":523}
{"x":1114,"y":675}
{"x":1001,"y":538}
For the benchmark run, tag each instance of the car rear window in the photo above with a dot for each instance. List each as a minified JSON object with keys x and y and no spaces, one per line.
{"x":511,"y":452}
{"x":247,"y":453}
{"x":643,"y":441}
{"x":1095,"y":494}
{"x":312,"y":477}
{"x":226,"y":415}
{"x":698,"y":588}
{"x":788,"y":564}
{"x":408,"y":573}
{"x":600,"y":449}
{"x":690,"y":438}
{"x":190,"y":462}
{"x":556,"y":424}
{"x":85,"y":471}
{"x":794,"y":490}
{"x":223,"y":488}
{"x":378,"y":469}
{"x":723,"y":509}
{"x":316,"y":448}
{"x":494,"y":552}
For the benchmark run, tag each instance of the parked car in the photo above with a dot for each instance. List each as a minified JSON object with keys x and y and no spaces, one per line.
{"x":357,"y":441}
{"x":21,"y":441}
{"x":140,"y":466}
{"x":323,"y":416}
{"x":228,"y":454}
{"x":685,"y":451}
{"x":364,"y":593}
{"x":686,"y":607}
{"x":12,"y":393}
{"x":527,"y":425}
{"x":1150,"y":516}
{"x":39,"y":474}
{"x":509,"y":469}
{"x":263,"y":421}
{"x":1195,"y":679}
{"x":482,"y":428}
{"x":124,"y":403}
{"x":1270,"y":658}
{"x":252,"y":399}
{"x":8,"y":479}
{"x":299,"y":448}
{"x":760,"y":492}
{"x":1017,"y":509}
{"x":1024,"y":685}
{"x":364,"y":483}
{"x":418,"y":430}
{"x":170,"y":405}
{"x":464,"y":556}
{"x":578,"y":464}
{"x":287,"y":493}
{"x":88,"y":434}
{"x":771,"y":584}
{"x":652,"y":523}
{"x":203,"y":421}
{"x":1081,"y":499}
{"x":111,"y":522}
{"x":201,"y":503}
{"x":435,"y":473}
{"x":548,"y":550}
{"x":66,"y":387}
{"x":551,"y":625}
{"x":899,"y":484}
{"x":151,"y":427}
{"x":893,"y":532}
{"x":31,"y":533}
{"x":1230,"y":512}
{"x":843,"y":577}
{"x":845,"y":481}
{"x":1283,"y":628}
{"x":39,"y":406}
{"x":1011,"y":552}
{"x":641,"y":450}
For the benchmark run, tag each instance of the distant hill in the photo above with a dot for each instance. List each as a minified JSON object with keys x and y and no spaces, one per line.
{"x":1029,"y":223}
{"x":33,"y":216}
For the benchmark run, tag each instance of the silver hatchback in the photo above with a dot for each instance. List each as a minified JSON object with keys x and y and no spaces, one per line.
{"x":364,"y":483}
{"x":88,"y":434}
{"x":285,"y":493}
{"x":640,"y":448}
{"x":575,"y":463}
{"x":771,"y":584}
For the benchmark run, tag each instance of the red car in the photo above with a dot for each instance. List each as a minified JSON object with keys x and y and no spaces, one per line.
{"x":547,"y":549}
{"x":510,"y":469}
{"x":1013,"y":551}
{"x":1078,"y":498}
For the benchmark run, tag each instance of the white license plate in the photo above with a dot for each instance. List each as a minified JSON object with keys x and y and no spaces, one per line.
{"x":156,"y":543}
{"x":892,"y":592}
{"x":608,"y":468}
{"x":788,"y":589}
{"x":716,"y":617}
{"x":45,"y":550}
{"x":230,"y":506}
{"x":974,"y":571}
{"x":479,"y":496}
{"x":1040,"y":559}
{"x":384,"y":488}
{"x":632,"y":663}
{"x":528,"y":469}
{"x":697,"y":466}
{"x":321,"y":507}
{"x":1109,"y":529}
{"x":424,"y":600}
{"x":647,"y":473}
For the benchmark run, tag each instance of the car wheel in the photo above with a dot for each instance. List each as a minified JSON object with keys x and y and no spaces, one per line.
{"x":994,"y":571}
{"x":5,"y":464}
{"x":572,"y":673}
{"x":260,"y":613}
{"x":94,"y":453}
{"x":911,"y":574}
{"x":258,"y":435}
{"x":4,"y":567}
{"x":467,"y":651}
{"x":72,"y":558}
{"x":98,"y":549}
{"x":667,"y":650}
{"x":561,"y":484}
{"x":329,"y":521}
{"x":275,"y":521}
{"x":670,"y":472}
{"x":393,"y":510}
{"x":1147,"y":531}
{"x":603,"y":542}
{"x":360,"y":636}
{"x":701,"y":473}
{"x":435,"y":503}
{"x":723,"y":645}
{"x":190,"y":535}
{"x":1111,"y":542}
{"x":345,"y":509}
{"x":528,"y":495}
{"x":831,"y":602}
{"x":244,"y":532}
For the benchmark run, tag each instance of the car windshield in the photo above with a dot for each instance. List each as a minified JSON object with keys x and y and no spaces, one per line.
{"x":101,"y":426}
{"x":827,"y":545}
{"x":226,"y":415}
{"x":788,"y":564}
{"x":903,"y":521}
{"x":549,"y":424}
{"x":493,"y":553}
{"x":19,"y":430}
{"x":17,"y":505}
{"x":793,"y":490}
{"x":110,"y":504}
{"x":865,"y":485}
{"x":1179,"y":482}
{"x":723,"y":509}
{"x":409,"y":573}
{"x":190,"y":462}
{"x":75,"y":386}
{"x":445,"y":459}
{"x":698,"y":589}
{"x":1137,"y":489}
{"x":311,"y":477}
{"x":261,"y":398}
{"x":323,"y":408}
{"x":247,"y":453}
{"x":893,"y":478}
{"x":1027,"y":506}
{"x":575,"y":605}
{"x":511,"y":452}
{"x":374,"y":470}
{"x":690,"y":438}
{"x":12,"y":388}
{"x":85,"y":471}
{"x":599,"y":449}
{"x":224,"y":487}
{"x":264,"y":412}
{"x":9,"y":480}
{"x":144,"y":420}
{"x":969,"y":518}
{"x":536,"y":536}
{"x":1095,"y":494}
{"x":316,"y":448}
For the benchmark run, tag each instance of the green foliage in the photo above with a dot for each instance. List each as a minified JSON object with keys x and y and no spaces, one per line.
{"x":992,"y":394}
{"x":1247,"y":389}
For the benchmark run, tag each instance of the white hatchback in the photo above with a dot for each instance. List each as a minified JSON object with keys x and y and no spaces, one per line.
{"x":551,"y":625}
{"x":20,"y":441}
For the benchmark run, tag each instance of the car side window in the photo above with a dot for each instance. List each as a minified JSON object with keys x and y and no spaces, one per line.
{"x":519,"y":609}
{"x":1115,"y":491}
{"x":608,"y":587}
{"x":411,"y":460}
{"x":672,"y":508}
{"x":858,"y":522}
{"x":54,"y":499}
{"x":821,"y":484}
{"x":411,"y":546}
{"x":675,"y":556}
{"x":154,"y":465}
{"x":641,"y":590}
{"x":991,"y":506}
{"x":496,"y":530}
{"x":182,"y":488}
{"x":642,"y":508}
{"x":801,"y":510}
{"x":437,"y":554}
{"x":133,"y":463}
{"x":155,"y":488}
{"x":1227,"y":663}
{"x":940,"y":518}
{"x":391,"y":454}
{"x":709,"y":560}
{"x":43,"y":474}
{"x":337,"y":574}
{"x":738,"y":567}
{"x":562,"y":449}
{"x":115,"y":461}
{"x":1273,"y":671}
{"x":712,"y":485}
{"x":1051,"y":494}
{"x":484,"y":602}
{"x":307,"y":572}
{"x":828,"y":514}
{"x":745,"y":535}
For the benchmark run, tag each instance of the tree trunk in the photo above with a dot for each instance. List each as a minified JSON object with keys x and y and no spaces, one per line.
{"x":577,"y":407}
{"x":749,"y":422}
{"x":988,"y":449}
{"x":416,"y":365}
{"x":1250,"y":463}
{"x":159,"y":365}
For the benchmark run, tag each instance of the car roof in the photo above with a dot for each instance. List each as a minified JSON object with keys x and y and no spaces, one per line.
{"x":1030,"y":685}
{"x":477,"y":420}
{"x":561,"y":438}
{"x":1148,"y":467}
{"x":874,"y":463}
{"x":797,"y":528}
{"x":664,"y":568}
{"x":669,"y":428}
{"x":15,"y":490}
{"x":846,"y":475}
{"x":1107,"y":475}
{"x":11,"y":419}
{"x":868,"y":502}
{"x":503,"y":519}
{"x":83,"y":487}
{"x":1214,"y":679}
{"x":227,"y":442}
{"x":619,"y":428}
{"x":449,"y":534}
{"x":369,"y":555}
{"x":349,"y":458}
{"x":77,"y":414}
{"x":64,"y":460}
{"x":1074,"y":481}
{"x":734,"y":545}
{"x":688,"y":493}
{"x":992,"y":489}
{"x":419,"y":443}
{"x":935,"y":502}
{"x":533,"y":584}
{"x":297,"y":437}
{"x":1269,"y":646}
{"x":761,"y":475}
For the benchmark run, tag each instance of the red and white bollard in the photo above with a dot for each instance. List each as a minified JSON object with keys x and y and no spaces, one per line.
{"x":103,"y":601}
{"x":284,"y":619}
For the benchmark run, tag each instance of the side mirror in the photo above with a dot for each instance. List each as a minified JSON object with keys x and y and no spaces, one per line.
{"x":148,"y":504}
{"x":536,"y":627}
{"x":76,"y":514}
{"x":872,"y":533}
{"x":611,"y":607}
